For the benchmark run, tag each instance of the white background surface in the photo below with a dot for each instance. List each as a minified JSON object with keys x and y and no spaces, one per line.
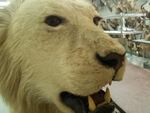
{"x":3,"y":107}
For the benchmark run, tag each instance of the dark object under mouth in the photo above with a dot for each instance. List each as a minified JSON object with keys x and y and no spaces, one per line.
{"x":79,"y":104}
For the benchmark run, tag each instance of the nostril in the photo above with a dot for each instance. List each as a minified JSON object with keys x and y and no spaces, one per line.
{"x":112,"y":60}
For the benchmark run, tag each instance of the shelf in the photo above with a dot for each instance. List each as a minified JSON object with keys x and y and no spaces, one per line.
{"x":142,"y":41}
{"x":125,"y":15}
{"x":134,"y":15}
{"x":123,"y":32}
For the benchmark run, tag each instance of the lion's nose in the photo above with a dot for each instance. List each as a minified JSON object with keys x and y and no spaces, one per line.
{"x":112,"y":60}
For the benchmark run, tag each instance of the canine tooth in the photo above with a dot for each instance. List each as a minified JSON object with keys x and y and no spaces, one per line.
{"x":91,"y":102}
{"x":107,"y":96}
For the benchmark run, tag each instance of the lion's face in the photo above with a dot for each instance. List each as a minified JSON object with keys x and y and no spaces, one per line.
{"x":63,"y":48}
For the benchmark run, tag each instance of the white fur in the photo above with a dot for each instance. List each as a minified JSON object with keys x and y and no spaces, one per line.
{"x":38,"y":62}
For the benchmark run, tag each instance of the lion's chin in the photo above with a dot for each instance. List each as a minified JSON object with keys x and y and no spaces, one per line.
{"x":90,"y":103}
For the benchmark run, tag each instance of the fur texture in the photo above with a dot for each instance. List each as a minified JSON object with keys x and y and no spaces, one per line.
{"x":38,"y":62}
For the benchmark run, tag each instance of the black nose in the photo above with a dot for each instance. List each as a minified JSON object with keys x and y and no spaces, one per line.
{"x":112,"y":60}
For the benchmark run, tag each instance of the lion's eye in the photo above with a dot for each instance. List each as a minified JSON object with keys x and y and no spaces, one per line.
{"x":54,"y":21}
{"x":96,"y":20}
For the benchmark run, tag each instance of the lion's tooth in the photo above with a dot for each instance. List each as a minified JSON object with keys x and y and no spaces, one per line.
{"x":107,"y":96}
{"x":91,"y":102}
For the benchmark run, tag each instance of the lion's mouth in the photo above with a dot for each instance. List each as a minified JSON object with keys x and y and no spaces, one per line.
{"x":89,"y":104}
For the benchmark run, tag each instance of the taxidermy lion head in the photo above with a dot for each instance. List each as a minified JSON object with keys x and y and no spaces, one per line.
{"x":54,"y":55}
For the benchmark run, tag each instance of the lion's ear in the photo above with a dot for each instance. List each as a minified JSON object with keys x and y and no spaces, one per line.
{"x":4,"y":23}
{"x":14,"y":5}
{"x":6,"y":15}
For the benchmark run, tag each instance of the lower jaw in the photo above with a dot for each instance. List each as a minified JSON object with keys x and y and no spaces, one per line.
{"x":86,"y":104}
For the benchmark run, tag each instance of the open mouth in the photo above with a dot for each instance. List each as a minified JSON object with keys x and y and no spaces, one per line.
{"x":99,"y":102}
